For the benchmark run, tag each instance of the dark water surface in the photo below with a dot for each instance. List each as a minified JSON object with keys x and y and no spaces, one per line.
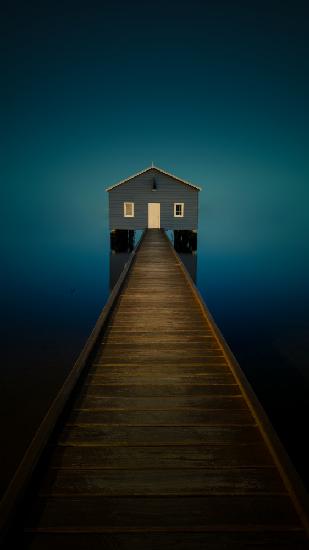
{"x":54,"y":294}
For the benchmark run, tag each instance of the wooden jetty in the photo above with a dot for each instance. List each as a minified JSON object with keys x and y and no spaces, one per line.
{"x":163,"y":444}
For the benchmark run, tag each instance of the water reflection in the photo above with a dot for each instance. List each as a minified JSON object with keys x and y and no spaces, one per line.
{"x":189,"y":259}
{"x":117,"y":261}
{"x":122,"y":243}
{"x":185,"y":244}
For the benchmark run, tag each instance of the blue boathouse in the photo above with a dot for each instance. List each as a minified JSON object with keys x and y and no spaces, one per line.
{"x":153,"y":199}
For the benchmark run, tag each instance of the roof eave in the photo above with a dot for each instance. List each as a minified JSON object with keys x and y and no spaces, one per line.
{"x":196,"y":187}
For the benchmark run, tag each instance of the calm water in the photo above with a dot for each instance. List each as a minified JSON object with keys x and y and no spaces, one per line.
{"x":53,"y":296}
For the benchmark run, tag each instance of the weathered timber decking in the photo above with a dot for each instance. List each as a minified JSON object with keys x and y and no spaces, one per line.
{"x":164,"y":445}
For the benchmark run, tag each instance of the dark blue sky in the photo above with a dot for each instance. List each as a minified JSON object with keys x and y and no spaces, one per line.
{"x":214,"y":91}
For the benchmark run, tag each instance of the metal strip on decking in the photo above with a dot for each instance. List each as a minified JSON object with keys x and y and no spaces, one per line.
{"x":165,"y":444}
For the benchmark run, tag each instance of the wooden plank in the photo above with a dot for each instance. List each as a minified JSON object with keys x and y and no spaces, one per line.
{"x":206,"y":345}
{"x":225,"y":513}
{"x":125,"y":329}
{"x":166,"y":541}
{"x":153,"y":338}
{"x":139,"y":286}
{"x":214,"y":456}
{"x":200,"y":346}
{"x":160,"y":376}
{"x":165,"y":299}
{"x":159,"y":403}
{"x":162,"y":435}
{"x":135,"y":323}
{"x":193,"y":417}
{"x":210,"y":371}
{"x":126,"y":360}
{"x":151,"y":354}
{"x":159,"y":390}
{"x":194,"y":362}
{"x":192,"y":315}
{"x":157,"y":376}
{"x":158,"y":482}
{"x":156,"y":308}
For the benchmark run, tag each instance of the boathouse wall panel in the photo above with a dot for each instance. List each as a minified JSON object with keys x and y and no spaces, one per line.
{"x":139,"y":190}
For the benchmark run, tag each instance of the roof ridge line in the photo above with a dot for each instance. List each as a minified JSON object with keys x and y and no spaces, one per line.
{"x":159,"y":170}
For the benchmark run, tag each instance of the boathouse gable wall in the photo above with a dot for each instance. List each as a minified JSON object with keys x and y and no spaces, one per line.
{"x":139,"y":191}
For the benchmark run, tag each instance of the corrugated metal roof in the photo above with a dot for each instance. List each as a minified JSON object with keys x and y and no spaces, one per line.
{"x":158,"y":170}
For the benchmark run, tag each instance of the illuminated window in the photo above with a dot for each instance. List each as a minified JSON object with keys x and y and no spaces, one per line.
{"x":128,"y":209}
{"x":179,"y":208}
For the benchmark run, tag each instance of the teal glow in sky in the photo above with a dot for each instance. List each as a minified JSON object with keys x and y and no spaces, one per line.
{"x":215,"y":91}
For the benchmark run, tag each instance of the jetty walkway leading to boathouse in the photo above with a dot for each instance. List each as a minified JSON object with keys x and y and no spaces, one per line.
{"x":163,"y":443}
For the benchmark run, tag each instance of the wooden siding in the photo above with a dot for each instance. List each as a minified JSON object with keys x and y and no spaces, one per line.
{"x":139,"y":191}
{"x":164,"y":444}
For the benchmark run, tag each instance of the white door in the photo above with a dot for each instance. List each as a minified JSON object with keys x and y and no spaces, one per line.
{"x":154,"y":215}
